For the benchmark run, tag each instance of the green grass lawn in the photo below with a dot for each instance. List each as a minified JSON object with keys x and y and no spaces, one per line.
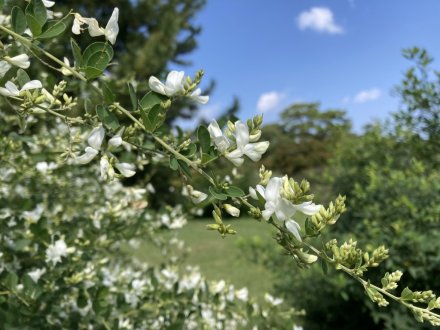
{"x":220,"y":258}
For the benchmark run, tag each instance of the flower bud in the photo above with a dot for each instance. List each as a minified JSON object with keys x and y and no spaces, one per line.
{"x":255,"y":136}
{"x":232,"y":210}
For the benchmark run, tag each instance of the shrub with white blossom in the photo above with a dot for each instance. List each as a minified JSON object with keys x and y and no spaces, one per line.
{"x":67,"y":219}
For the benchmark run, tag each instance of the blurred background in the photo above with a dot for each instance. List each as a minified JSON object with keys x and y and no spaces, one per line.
{"x":350,"y":96}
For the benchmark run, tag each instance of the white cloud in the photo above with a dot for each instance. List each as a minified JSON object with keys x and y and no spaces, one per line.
{"x":319,"y":19}
{"x":367,"y":95}
{"x":269,"y":101}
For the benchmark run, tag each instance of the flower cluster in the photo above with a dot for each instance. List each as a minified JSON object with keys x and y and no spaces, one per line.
{"x":241,"y":141}
{"x":95,"y":141}
{"x":177,"y":84}
{"x":279,"y":208}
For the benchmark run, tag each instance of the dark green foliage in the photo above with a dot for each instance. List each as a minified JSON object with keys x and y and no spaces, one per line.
{"x":305,"y":138}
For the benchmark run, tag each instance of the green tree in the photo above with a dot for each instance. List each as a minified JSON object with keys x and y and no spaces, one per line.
{"x":305,"y":137}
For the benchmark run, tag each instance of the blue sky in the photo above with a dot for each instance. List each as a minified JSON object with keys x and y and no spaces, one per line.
{"x":344,"y":54}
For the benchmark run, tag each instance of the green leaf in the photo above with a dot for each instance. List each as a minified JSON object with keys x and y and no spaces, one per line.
{"x":310,"y":228}
{"x":233,"y":191}
{"x":76,"y":51}
{"x":18,"y":20}
{"x":107,"y":118}
{"x":324,"y":267}
{"x":190,"y":150}
{"x":407,"y":294}
{"x":11,"y":281}
{"x":98,"y":60}
{"x":109,"y":97}
{"x":55,"y":28}
{"x":98,"y":49}
{"x":204,"y":138}
{"x":184,"y":167}
{"x":217,"y":194}
{"x":174,"y":164}
{"x":156,"y":115}
{"x":149,"y":126}
{"x":92,"y":72}
{"x":133,"y":97}
{"x":34,"y":26}
{"x":206,"y":158}
{"x":38,"y":10}
{"x":151,"y":99}
{"x":22,"y":77}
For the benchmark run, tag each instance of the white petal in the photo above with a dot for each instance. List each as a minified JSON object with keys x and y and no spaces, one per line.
{"x":261,"y":190}
{"x":222,"y":143}
{"x":22,"y":61}
{"x":272,"y":192}
{"x":96,"y":137}
{"x":175,"y":81}
{"x":253,"y":193}
{"x":235,"y":157}
{"x":241,"y":134}
{"x":94,"y":29}
{"x":4,"y":67}
{"x":267,"y":214}
{"x":214,"y":130}
{"x":77,"y":22}
{"x":48,"y":3}
{"x":90,"y":153}
{"x":294,"y":228}
{"x":115,"y":141}
{"x":284,"y":209}
{"x":195,"y":95}
{"x":255,"y":150}
{"x":126,"y":169}
{"x":112,"y":28}
{"x":10,"y":90}
{"x":308,"y":208}
{"x":104,"y":166}
{"x":31,"y":85}
{"x":156,"y":85}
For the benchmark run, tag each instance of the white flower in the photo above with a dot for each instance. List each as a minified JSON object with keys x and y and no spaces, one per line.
{"x":217,"y":287}
{"x":242,"y":294}
{"x":195,"y":195}
{"x":195,"y":96}
{"x":294,"y":228}
{"x":253,"y":150}
{"x":22,"y":61}
{"x":126,"y":169}
{"x":87,"y":157}
{"x":94,"y":140}
{"x":173,"y":85}
{"x":110,"y":31}
{"x":4,"y":67}
{"x":34,"y":215}
{"x":11,"y":89}
{"x":272,"y":300}
{"x":78,"y":22}
{"x":107,"y":171}
{"x":116,"y":140}
{"x":275,"y":205}
{"x":280,"y":208}
{"x":48,"y":3}
{"x":57,"y":250}
{"x":64,"y":70}
{"x":36,"y":274}
{"x":221,"y":142}
{"x":44,"y":167}
{"x":232,"y":210}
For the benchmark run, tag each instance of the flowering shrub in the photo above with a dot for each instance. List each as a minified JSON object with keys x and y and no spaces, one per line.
{"x":66,"y":216}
